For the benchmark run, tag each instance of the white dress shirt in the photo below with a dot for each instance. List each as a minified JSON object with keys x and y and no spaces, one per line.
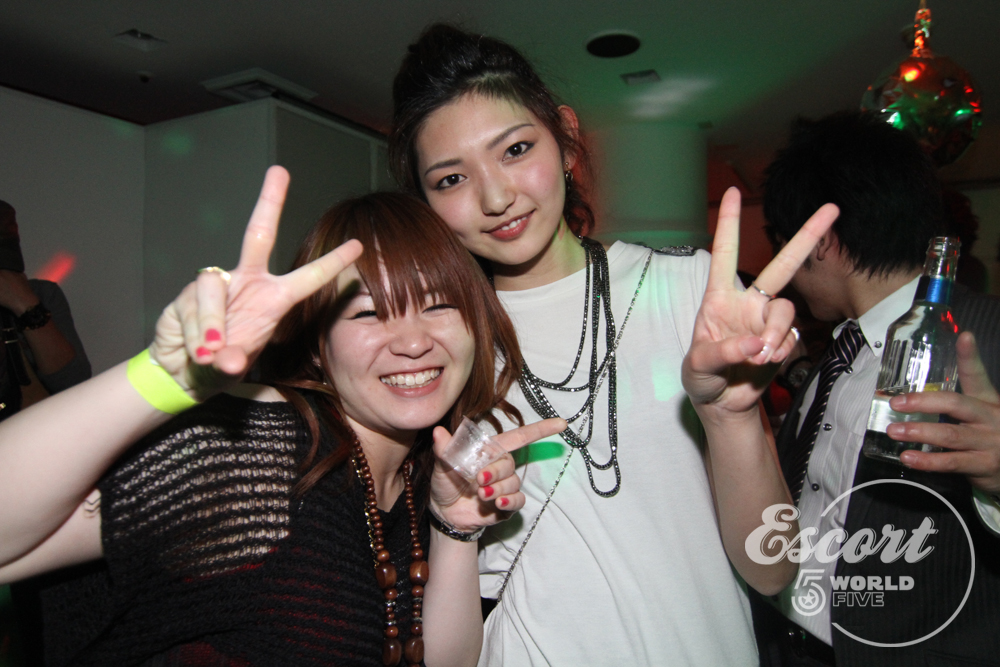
{"x":834,"y":457}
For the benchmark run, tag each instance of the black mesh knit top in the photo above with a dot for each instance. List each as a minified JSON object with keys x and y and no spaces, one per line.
{"x":210,"y":561}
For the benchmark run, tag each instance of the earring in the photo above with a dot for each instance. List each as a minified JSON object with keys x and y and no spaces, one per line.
{"x":568,"y":174}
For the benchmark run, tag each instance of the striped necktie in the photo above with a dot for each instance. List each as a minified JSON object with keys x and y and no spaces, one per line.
{"x":837,"y":360}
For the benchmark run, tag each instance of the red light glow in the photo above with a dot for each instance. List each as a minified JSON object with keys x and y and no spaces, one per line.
{"x":951,"y":321}
{"x":58,"y":267}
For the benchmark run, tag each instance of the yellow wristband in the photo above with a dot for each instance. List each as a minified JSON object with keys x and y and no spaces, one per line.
{"x":155,"y":384}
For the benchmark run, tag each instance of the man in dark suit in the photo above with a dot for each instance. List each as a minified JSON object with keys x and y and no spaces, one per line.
{"x":917,"y":580}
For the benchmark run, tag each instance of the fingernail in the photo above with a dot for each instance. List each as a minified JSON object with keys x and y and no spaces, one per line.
{"x":202,"y":352}
{"x":212,"y":335}
{"x":898,"y":401}
{"x":504,"y":502}
{"x":749,"y":347}
{"x":908,"y":458}
{"x":487,"y":477}
{"x":487,"y":491}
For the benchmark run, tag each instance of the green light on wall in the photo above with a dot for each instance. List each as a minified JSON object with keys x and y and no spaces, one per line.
{"x":122,"y":129}
{"x":177,"y":143}
{"x":666,"y":379}
{"x":212,"y":217}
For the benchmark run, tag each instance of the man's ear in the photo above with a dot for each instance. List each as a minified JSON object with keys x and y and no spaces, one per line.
{"x":828,"y":243}
{"x":571,"y":124}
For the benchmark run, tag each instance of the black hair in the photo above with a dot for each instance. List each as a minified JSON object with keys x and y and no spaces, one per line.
{"x":882,"y":181}
{"x":7,"y":212}
{"x":446,"y":63}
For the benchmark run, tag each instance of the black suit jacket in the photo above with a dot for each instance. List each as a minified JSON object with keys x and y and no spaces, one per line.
{"x":941,"y":581}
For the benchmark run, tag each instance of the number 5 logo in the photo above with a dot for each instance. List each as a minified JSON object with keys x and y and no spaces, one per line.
{"x":809,"y":598}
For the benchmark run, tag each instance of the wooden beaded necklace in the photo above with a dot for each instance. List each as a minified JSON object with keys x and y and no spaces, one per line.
{"x":385,"y":572}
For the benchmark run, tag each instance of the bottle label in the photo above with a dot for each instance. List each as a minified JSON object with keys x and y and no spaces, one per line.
{"x":882,"y":415}
{"x":934,"y":289}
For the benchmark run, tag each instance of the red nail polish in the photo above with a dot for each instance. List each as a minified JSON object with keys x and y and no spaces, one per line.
{"x":488,"y":491}
{"x":487,"y":477}
{"x":202,"y":352}
{"x":504,"y":502}
{"x":212,"y":335}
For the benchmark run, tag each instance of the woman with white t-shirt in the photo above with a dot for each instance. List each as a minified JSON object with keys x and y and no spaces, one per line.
{"x":620,"y":553}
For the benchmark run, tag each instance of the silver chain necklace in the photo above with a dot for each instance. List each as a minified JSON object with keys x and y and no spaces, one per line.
{"x":603,"y":371}
{"x":597,"y":297}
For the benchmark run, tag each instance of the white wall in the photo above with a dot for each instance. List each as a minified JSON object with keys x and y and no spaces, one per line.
{"x":652,"y":184}
{"x":76,"y":180}
{"x":203,"y":175}
{"x":142,"y":208}
{"x":327,"y":163}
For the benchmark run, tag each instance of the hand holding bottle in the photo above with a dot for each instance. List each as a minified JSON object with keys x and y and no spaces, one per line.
{"x":973,"y":444}
{"x":919,"y":353}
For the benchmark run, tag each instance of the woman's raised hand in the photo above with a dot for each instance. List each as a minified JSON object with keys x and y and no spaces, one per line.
{"x":740,"y":337}
{"x":496,"y":491}
{"x":208,"y":336}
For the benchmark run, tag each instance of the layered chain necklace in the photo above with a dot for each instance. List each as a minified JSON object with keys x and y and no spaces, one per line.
{"x":596,"y":291}
{"x":597,"y":296}
{"x":385,"y":572}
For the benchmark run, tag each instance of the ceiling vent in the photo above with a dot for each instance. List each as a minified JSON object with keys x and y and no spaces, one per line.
{"x":137,"y":39}
{"x":255,"y":84}
{"x":639,"y":78}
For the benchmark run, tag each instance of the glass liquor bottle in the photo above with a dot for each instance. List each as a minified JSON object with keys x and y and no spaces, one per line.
{"x":919,"y":353}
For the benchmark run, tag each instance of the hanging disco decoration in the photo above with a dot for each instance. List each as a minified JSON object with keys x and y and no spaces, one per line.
{"x":929,"y":96}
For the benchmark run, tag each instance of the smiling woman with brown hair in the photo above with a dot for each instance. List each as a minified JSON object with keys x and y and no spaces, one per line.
{"x":253,"y":531}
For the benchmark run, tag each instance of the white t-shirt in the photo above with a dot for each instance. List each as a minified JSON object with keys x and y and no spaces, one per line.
{"x":640,"y":578}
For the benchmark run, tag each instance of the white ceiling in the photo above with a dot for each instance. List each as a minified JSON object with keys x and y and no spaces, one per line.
{"x":743,"y":68}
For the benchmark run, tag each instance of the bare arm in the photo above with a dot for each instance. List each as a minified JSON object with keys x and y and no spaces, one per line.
{"x":53,"y":453}
{"x":453,"y":621}
{"x":739,"y":340}
{"x":76,"y":541}
{"x":51,"y":349}
{"x":453,"y":617}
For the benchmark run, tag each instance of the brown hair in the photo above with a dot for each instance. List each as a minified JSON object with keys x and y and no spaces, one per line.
{"x":446,"y":63}
{"x":410,"y":248}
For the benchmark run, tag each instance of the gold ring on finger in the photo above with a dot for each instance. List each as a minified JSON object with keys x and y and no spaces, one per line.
{"x":214,"y":269}
{"x":770,"y":297}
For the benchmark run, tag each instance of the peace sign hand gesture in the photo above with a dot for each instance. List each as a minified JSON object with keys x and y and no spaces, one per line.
{"x":207,"y":338}
{"x":740,"y":337}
